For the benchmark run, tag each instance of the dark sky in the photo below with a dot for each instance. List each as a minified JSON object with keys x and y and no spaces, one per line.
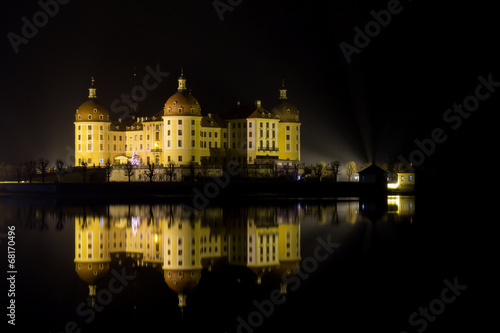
{"x":395,"y":90}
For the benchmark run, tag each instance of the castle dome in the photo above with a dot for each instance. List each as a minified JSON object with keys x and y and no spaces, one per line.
{"x":286,"y":111}
{"x":182,"y":280}
{"x":92,"y":109}
{"x":182,"y":103}
{"x":91,"y":273}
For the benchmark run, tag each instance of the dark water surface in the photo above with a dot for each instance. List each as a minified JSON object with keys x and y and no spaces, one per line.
{"x":345,"y":265}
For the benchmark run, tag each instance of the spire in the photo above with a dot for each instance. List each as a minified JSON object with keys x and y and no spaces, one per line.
{"x":182,"y":81}
{"x":282,"y":90}
{"x":182,"y":300}
{"x":92,"y":89}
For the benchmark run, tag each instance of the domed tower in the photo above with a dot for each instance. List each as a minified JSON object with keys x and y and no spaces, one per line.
{"x":289,"y":127}
{"x":91,"y":131}
{"x":91,"y":250}
{"x":288,"y":253}
{"x":182,"y":125}
{"x":182,"y":258}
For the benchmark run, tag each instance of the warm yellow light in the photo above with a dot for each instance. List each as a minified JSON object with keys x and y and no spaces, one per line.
{"x":156,"y":238}
{"x":393,"y":185}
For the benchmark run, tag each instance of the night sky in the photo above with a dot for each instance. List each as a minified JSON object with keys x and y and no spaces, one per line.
{"x":394,"y":90}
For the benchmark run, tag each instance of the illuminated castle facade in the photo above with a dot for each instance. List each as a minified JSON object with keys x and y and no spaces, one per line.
{"x":181,"y":134}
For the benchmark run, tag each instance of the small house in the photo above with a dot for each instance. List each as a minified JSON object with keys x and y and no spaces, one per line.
{"x":375,"y":177}
{"x":405,"y":182}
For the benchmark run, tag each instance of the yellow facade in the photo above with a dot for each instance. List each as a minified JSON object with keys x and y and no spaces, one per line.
{"x":181,"y":134}
{"x":92,"y":256}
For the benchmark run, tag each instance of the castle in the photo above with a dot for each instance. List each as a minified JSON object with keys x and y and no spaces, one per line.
{"x":182,"y":135}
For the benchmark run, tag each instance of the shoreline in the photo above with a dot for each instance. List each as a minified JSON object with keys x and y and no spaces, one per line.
{"x":210,"y":190}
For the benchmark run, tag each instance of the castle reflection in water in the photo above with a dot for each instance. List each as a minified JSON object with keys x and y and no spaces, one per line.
{"x":183,"y":245}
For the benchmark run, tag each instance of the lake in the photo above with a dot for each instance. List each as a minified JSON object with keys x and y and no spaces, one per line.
{"x":341,"y":265}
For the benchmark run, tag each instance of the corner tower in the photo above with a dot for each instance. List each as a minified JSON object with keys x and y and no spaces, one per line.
{"x":91,"y":131}
{"x":182,"y":125}
{"x":289,"y":127}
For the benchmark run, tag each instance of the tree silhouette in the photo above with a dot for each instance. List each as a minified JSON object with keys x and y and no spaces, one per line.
{"x":170,"y":171}
{"x":42,"y":166}
{"x":320,"y":169}
{"x":18,"y":170}
{"x":129,"y":170}
{"x":30,"y":170}
{"x":109,"y":170}
{"x":84,"y":171}
{"x":150,"y":172}
{"x":335,"y":169}
{"x":60,"y":171}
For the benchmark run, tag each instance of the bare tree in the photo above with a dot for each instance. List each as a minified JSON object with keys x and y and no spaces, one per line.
{"x":30,"y":170}
{"x":84,"y":171}
{"x":170,"y":171}
{"x":19,"y":172}
{"x":350,"y":169}
{"x":320,"y":170}
{"x":60,"y":171}
{"x":150,"y":172}
{"x":129,"y":170}
{"x":335,"y":169}
{"x":42,"y":166}
{"x":109,"y":170}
